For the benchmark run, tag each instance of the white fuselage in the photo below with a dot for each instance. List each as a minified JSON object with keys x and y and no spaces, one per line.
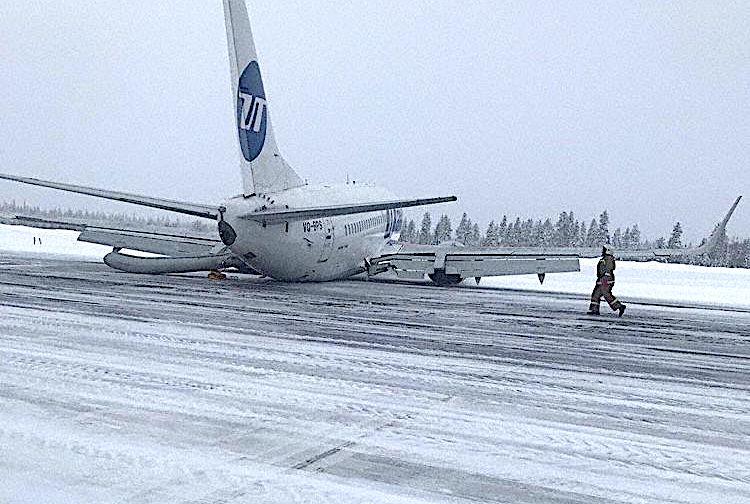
{"x":317,"y":249}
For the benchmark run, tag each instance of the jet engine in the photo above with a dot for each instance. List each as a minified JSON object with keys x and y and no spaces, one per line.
{"x":183,"y":264}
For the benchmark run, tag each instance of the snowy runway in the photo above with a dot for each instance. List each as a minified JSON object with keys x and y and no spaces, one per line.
{"x":124,"y":388}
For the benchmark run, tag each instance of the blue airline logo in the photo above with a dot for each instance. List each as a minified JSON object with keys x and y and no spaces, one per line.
{"x":252,"y":113}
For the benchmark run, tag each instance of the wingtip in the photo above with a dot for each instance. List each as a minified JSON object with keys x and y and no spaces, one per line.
{"x":731,"y":210}
{"x":714,"y":238}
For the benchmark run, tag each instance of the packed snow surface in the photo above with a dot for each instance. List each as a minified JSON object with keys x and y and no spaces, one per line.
{"x":125,"y":388}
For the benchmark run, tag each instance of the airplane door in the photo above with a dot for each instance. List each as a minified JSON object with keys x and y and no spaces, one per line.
{"x":328,"y":239}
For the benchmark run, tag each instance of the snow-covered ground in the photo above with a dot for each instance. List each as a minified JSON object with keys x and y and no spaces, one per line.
{"x":53,"y":243}
{"x":142,"y":389}
{"x":668,"y":283}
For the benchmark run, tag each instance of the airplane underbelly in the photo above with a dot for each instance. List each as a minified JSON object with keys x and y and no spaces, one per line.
{"x":305,"y":255}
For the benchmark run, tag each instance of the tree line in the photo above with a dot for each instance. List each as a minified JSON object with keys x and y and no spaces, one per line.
{"x":565,"y":231}
{"x":118,"y":218}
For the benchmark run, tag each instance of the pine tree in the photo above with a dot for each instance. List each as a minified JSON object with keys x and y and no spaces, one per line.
{"x":425,"y":229}
{"x":527,"y":233}
{"x":463,"y":231}
{"x":635,"y":237}
{"x":561,"y":232}
{"x":515,"y":233}
{"x":566,"y":231}
{"x":579,"y":233}
{"x":583,"y":235}
{"x":738,"y":254}
{"x":617,"y":239}
{"x":537,"y":235}
{"x":492,"y":236}
{"x":548,"y":233}
{"x":502,"y":231}
{"x":404,"y":236}
{"x":407,"y":232}
{"x":476,"y":235}
{"x":675,"y":240}
{"x":604,"y":228}
{"x":592,"y":235}
{"x":718,"y":256}
{"x":411,"y":231}
{"x":626,"y":239}
{"x":443,"y":230}
{"x":572,"y":228}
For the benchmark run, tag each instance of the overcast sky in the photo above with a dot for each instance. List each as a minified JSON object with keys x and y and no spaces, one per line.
{"x":524,"y":108}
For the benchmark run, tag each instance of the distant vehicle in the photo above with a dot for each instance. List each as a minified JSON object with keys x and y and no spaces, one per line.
{"x":284,"y":228}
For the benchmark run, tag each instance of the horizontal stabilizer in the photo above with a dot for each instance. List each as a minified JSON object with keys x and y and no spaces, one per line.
{"x":35,"y":222}
{"x":194,"y":209}
{"x":276,"y":216}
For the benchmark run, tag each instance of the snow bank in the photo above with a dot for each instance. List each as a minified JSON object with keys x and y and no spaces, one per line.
{"x":53,"y":242}
{"x":647,"y":281}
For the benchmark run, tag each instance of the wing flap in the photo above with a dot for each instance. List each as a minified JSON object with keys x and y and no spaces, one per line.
{"x":474,"y":264}
{"x":491,"y":265}
{"x":148,"y":242}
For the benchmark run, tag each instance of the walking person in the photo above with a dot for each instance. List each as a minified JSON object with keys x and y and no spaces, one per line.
{"x":605,"y":282}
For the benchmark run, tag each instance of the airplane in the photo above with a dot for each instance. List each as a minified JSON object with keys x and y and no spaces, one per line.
{"x":284,"y":228}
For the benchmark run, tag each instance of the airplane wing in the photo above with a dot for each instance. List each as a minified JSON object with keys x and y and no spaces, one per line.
{"x":273,"y":216}
{"x":177,"y":253}
{"x":448,"y":265}
{"x":194,"y":209}
{"x":714,"y":240}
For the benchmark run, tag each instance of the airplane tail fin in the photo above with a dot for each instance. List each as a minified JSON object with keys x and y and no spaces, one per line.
{"x":264,"y":170}
{"x":719,"y":232}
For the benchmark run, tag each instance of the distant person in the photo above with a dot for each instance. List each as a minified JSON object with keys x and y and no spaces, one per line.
{"x":605,"y":281}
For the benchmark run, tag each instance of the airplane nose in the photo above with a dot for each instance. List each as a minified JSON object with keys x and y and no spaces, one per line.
{"x":227,"y":233}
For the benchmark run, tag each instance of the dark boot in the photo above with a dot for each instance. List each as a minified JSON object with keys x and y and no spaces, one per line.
{"x":593,"y":311}
{"x":621,"y":310}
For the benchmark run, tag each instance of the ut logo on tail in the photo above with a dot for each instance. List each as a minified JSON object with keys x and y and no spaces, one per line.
{"x":252,"y":112}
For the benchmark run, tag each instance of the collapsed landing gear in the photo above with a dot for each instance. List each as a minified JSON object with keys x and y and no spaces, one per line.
{"x":441,"y":279}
